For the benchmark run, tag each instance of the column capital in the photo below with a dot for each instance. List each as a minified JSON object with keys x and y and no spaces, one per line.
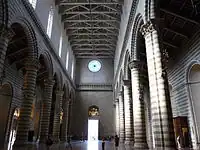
{"x":32,"y":64}
{"x":59,"y":92}
{"x":136,"y":64}
{"x":7,"y":33}
{"x":147,"y":28}
{"x":116,"y":100}
{"x":120,"y":93}
{"x":127,"y":83}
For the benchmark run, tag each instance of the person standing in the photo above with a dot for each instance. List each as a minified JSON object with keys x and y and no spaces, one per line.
{"x":103,"y":144}
{"x":116,"y":141}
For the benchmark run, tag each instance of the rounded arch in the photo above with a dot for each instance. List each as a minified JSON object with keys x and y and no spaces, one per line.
{"x":126,"y":67}
{"x":48,"y":62}
{"x":192,"y":98}
{"x":136,"y":29}
{"x":30,"y":35}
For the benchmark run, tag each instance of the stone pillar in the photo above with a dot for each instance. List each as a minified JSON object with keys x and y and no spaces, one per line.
{"x":29,"y":86}
{"x":5,"y":37}
{"x":117,"y":116}
{"x":160,"y":100}
{"x":138,"y":107}
{"x":121,"y":118}
{"x":128,"y":111}
{"x":46,"y":109}
{"x":69,"y":117}
{"x":56,"y":122}
{"x":65,"y":120}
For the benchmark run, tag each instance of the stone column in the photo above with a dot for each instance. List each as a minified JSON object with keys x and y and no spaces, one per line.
{"x":5,"y":37}
{"x":56,"y":122}
{"x":29,"y":86}
{"x":121,"y":118}
{"x":138,"y":107}
{"x":128,"y":111}
{"x":69,"y":117}
{"x":65,"y":120}
{"x":117,"y":116}
{"x":160,"y":101}
{"x":46,"y":109}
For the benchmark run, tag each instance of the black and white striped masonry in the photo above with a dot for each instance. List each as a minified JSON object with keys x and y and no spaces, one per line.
{"x":160,"y":103}
{"x":5,"y":36}
{"x":128,"y":110}
{"x":138,"y":106}
{"x":31,"y":67}
{"x":117,"y":119}
{"x":46,"y":109}
{"x":121,"y":117}
{"x":65,"y":120}
{"x":56,"y":121}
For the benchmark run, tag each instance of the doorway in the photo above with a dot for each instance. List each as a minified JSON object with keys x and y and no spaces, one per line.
{"x":93,"y":130}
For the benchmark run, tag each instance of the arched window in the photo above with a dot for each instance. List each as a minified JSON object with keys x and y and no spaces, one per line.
{"x":33,"y":3}
{"x":50,"y":21}
{"x":67,"y":59}
{"x":60,"y":44}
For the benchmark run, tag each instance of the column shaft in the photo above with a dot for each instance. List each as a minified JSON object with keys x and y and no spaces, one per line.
{"x":128,"y":109}
{"x":160,"y":102}
{"x":121,"y":116}
{"x":138,"y":110}
{"x":26,"y":108}
{"x":48,"y":89}
{"x":117,"y":117}
{"x":65,"y":121}
{"x":56,"y":122}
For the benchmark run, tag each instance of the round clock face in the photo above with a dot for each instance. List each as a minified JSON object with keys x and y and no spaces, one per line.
{"x":94,"y":66}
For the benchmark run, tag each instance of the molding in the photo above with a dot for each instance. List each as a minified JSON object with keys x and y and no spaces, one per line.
{"x":126,"y":37}
{"x":46,"y":39}
{"x":94,"y":87}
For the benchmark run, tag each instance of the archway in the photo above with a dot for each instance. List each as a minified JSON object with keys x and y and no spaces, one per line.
{"x":5,"y":103}
{"x":93,"y":123}
{"x":194,"y":86}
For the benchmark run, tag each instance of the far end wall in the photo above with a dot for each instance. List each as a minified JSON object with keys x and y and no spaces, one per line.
{"x":96,"y":90}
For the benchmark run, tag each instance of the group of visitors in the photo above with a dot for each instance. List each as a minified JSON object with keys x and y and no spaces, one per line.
{"x":116,"y":142}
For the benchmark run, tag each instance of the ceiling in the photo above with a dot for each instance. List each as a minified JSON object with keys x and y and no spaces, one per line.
{"x":92,"y":26}
{"x":179,"y":21}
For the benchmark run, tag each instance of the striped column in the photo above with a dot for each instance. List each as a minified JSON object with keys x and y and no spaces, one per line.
{"x":117,"y":116}
{"x":56,"y":122}
{"x":138,"y":107}
{"x":31,"y":67}
{"x":128,"y":111}
{"x":5,"y":37}
{"x":46,"y":109}
{"x":121,"y":118}
{"x":65,"y":120}
{"x":69,"y":117}
{"x":160,"y":101}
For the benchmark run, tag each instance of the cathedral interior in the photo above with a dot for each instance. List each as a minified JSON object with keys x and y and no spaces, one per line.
{"x":81,"y":71}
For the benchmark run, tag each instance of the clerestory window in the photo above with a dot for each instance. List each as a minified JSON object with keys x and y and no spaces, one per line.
{"x":50,"y":21}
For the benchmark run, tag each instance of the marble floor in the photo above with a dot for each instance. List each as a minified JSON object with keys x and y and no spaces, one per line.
{"x":75,"y":146}
{"x":79,"y":145}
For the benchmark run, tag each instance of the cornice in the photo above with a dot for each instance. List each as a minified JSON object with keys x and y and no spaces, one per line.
{"x":94,"y":87}
{"x":46,"y":40}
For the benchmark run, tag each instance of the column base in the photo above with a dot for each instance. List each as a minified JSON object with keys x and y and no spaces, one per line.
{"x":165,"y":148}
{"x":22,"y":144}
{"x":43,"y":140}
{"x":143,"y":146}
